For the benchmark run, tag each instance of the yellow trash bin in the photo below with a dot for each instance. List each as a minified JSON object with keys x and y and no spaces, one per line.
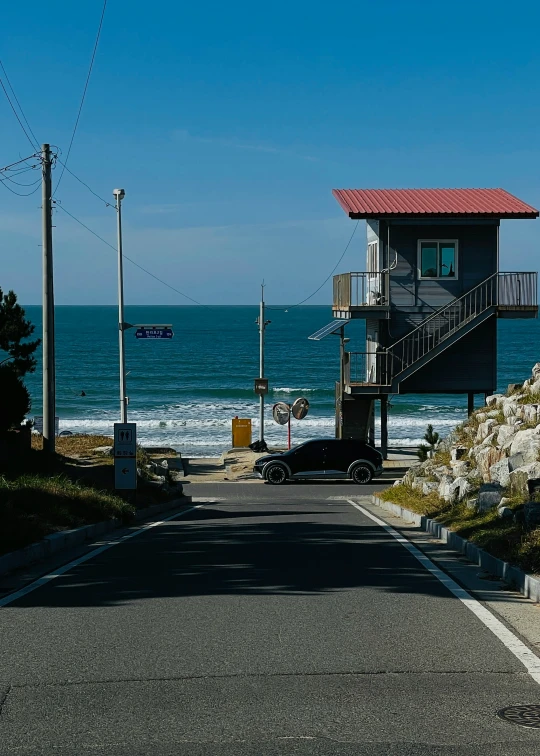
{"x":241,"y":432}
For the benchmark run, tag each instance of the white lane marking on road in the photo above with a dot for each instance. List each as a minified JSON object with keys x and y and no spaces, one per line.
{"x":529,"y":660}
{"x":91,"y":554}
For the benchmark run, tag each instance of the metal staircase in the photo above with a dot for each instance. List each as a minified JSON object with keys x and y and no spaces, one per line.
{"x":382,"y":371}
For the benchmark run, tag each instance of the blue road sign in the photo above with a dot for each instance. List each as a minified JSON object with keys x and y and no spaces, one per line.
{"x":154,"y":333}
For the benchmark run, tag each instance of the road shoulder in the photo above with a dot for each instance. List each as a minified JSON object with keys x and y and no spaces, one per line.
{"x":519,"y":613}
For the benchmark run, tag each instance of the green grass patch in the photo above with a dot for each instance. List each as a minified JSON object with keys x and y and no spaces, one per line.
{"x":442,"y":457}
{"x":530,"y":398}
{"x":405,"y":496}
{"x":33,"y":506}
{"x":504,"y":538}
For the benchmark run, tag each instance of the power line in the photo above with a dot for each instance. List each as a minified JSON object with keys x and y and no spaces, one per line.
{"x":22,"y":160}
{"x":84,"y":92}
{"x":291,"y":307}
{"x":136,"y":264}
{"x":4,"y":177}
{"x":36,"y":143}
{"x":20,"y":183}
{"x":108,"y":204}
{"x":16,"y":114}
{"x":19,"y":194}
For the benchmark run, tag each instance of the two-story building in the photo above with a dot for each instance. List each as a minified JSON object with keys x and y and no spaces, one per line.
{"x":430,"y":294}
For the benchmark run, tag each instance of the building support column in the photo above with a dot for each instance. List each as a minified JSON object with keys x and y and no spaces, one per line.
{"x":371,"y":436}
{"x":470,"y":403}
{"x":384,"y":426}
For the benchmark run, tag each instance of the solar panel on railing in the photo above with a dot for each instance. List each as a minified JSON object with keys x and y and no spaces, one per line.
{"x":332,"y":327}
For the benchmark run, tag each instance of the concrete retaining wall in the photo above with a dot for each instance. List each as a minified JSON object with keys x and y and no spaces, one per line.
{"x":528,"y":585}
{"x":68,"y":539}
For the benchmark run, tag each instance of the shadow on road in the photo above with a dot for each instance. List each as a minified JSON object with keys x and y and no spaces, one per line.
{"x":223,"y":551}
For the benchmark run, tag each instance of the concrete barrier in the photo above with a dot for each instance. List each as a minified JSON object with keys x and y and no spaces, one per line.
{"x":68,"y":539}
{"x":526,"y":584}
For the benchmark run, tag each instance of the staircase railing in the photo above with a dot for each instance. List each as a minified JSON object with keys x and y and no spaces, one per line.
{"x":442,"y":324}
{"x":500,"y":289}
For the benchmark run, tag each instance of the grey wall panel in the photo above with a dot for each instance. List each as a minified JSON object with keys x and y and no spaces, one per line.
{"x":469,"y":365}
{"x":477,"y":259}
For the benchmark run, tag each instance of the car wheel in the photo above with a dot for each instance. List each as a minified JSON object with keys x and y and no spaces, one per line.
{"x":362,"y":474}
{"x":276,"y":475}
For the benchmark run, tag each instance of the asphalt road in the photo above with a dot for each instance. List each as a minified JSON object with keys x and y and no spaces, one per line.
{"x":271,"y":621}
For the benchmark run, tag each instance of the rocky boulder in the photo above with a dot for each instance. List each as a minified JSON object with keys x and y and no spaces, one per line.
{"x":418,"y":483}
{"x":489,"y":496}
{"x":531,"y":511}
{"x":530,"y":413}
{"x":510,"y":408}
{"x":526,"y":442}
{"x":520,"y":477}
{"x":500,"y":472}
{"x":505,"y":435}
{"x":446,"y":490}
{"x":458,"y":452}
{"x":486,"y":458}
{"x":460,"y":469}
{"x":485,"y":429}
{"x":459,"y":489}
{"x":495,"y":400}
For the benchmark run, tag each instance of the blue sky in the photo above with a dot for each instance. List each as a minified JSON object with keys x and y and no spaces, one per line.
{"x":228,"y":125}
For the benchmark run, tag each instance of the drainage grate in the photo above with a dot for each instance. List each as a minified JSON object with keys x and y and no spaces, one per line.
{"x":527,"y":715}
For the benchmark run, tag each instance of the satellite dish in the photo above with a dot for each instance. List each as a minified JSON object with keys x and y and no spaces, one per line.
{"x":281,"y":413}
{"x":300,"y":408}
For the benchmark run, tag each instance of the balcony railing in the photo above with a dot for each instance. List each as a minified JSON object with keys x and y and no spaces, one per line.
{"x":360,"y":290}
{"x":368,"y":368}
{"x":518,"y":289}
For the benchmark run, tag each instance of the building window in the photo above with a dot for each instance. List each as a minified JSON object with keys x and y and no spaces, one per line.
{"x":437,"y":259}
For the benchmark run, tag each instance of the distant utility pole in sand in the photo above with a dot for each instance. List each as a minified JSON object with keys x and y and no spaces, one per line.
{"x":262,"y":323}
{"x":119,"y":195}
{"x":49,"y":378}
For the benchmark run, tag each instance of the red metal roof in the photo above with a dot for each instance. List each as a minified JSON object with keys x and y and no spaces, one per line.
{"x":381,"y":203}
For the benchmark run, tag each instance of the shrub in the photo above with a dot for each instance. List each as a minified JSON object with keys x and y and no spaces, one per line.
{"x":14,"y":400}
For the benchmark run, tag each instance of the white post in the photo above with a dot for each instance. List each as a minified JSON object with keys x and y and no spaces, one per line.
{"x":119,"y":194}
{"x":262,"y":326}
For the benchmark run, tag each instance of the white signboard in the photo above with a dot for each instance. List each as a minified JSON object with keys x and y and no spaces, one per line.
{"x":38,"y":424}
{"x":125,"y":473}
{"x":125,"y":440}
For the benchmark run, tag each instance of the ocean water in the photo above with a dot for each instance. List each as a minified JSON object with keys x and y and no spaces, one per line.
{"x":184,"y":392}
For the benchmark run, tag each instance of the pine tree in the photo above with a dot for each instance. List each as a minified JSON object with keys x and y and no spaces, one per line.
{"x":422,"y":452}
{"x":15,"y":330}
{"x":432,"y":439}
{"x":16,"y":359}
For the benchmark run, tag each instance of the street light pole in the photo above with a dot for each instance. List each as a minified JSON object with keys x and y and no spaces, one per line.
{"x":119,"y":195}
{"x":262,"y":326}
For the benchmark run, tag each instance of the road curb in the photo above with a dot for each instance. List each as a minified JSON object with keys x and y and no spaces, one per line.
{"x":68,"y":539}
{"x":528,"y":585}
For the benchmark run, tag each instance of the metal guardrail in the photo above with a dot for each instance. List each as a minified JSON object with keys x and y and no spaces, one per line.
{"x":500,"y":289}
{"x":518,"y":289}
{"x":360,"y":290}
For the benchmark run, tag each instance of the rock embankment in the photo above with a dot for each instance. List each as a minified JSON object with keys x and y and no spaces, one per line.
{"x":493,"y":459}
